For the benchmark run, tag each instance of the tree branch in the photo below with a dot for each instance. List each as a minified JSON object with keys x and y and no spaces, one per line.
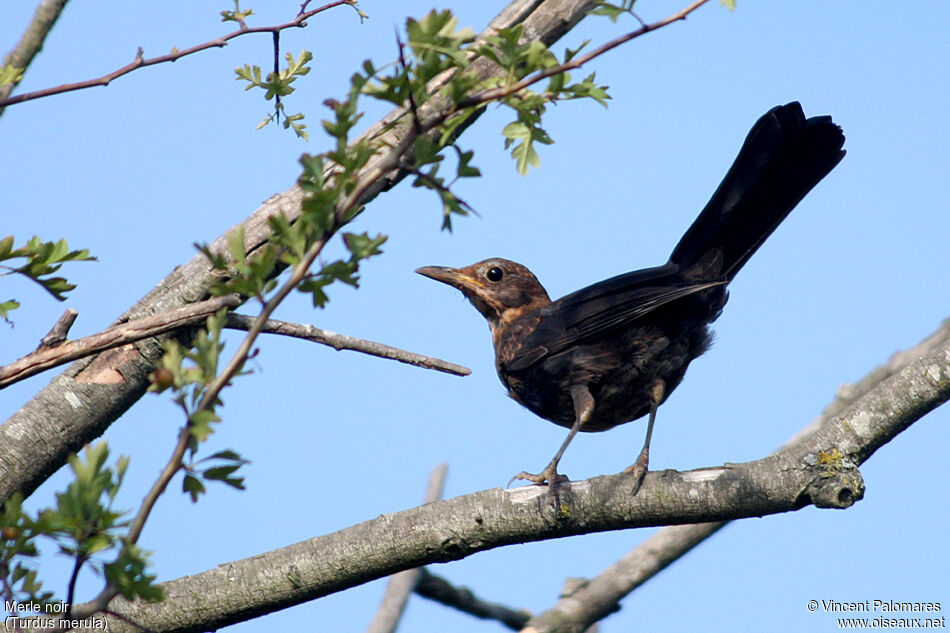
{"x":440,"y":590}
{"x":31,"y":43}
{"x":342,"y":341}
{"x":819,"y":469}
{"x":48,"y":357}
{"x":141,"y":62}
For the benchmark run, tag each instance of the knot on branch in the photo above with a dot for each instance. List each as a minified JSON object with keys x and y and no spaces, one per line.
{"x":837,"y":483}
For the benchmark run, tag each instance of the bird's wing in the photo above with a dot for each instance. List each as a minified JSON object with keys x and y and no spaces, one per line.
{"x":600,"y":308}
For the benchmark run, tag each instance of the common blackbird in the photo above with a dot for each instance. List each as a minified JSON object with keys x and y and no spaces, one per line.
{"x":614,"y":351}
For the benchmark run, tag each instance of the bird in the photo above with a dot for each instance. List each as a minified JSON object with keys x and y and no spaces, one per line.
{"x":614,"y":351}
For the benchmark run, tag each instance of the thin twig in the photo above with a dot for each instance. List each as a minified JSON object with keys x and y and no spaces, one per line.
{"x":499,"y":93}
{"x":276,"y":39}
{"x":342,"y":341}
{"x":141,"y":62}
{"x":128,"y":621}
{"x":439,"y":187}
{"x":402,"y":584}
{"x":71,"y":587}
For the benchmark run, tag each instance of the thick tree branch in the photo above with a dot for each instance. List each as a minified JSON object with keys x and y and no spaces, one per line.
{"x":36,"y":440}
{"x":31,"y":43}
{"x":820,"y":469}
{"x":141,"y":62}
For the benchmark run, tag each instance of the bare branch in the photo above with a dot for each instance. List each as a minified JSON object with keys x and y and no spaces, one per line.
{"x":402,"y":584}
{"x":601,"y":595}
{"x":141,"y":62}
{"x":440,"y":590}
{"x":31,"y":43}
{"x":342,"y":341}
{"x":47,"y":357}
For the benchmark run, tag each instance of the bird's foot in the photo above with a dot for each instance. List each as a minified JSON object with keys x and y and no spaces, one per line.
{"x":639,"y":469}
{"x":549,"y":475}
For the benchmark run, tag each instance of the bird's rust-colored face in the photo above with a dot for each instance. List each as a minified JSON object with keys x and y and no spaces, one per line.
{"x":500,"y":289}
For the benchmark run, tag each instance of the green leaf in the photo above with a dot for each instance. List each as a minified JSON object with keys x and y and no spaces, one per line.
{"x":220,"y":473}
{"x":193,"y":486}
{"x":201,"y":422}
{"x":42,"y":259}
{"x":526,"y":157}
{"x":611,"y":11}
{"x":362,"y":246}
{"x":465,"y":169}
{"x":7,"y":306}
{"x":128,"y":574}
{"x":228,"y":455}
{"x":6,"y":247}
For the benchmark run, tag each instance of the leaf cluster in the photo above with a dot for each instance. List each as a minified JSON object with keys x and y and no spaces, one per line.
{"x":43,"y":259}
{"x":189,"y":370}
{"x":85,"y":527}
{"x":238,"y":15}
{"x":218,"y":467}
{"x":277,"y":84}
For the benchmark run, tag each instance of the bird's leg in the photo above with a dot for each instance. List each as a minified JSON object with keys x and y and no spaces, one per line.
{"x":639,"y":467}
{"x":583,"y":408}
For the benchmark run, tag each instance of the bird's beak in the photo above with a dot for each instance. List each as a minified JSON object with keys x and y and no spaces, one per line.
{"x":451,"y":276}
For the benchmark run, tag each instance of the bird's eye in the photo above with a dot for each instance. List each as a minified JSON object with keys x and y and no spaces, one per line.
{"x":495,"y":273}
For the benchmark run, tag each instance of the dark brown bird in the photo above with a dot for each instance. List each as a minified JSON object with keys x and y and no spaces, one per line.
{"x":614,"y":351}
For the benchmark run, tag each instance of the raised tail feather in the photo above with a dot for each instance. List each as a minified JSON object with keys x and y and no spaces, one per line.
{"x":783,"y":158}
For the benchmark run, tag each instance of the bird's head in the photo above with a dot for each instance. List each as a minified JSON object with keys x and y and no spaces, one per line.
{"x":501,"y":290}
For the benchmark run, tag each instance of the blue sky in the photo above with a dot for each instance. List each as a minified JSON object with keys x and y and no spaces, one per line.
{"x":167,"y":156}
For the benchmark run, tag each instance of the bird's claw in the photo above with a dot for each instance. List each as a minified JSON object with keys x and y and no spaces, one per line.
{"x":548,"y":475}
{"x":639,"y":469}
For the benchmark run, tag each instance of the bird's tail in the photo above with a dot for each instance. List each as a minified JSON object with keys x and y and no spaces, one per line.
{"x":782,"y":159}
